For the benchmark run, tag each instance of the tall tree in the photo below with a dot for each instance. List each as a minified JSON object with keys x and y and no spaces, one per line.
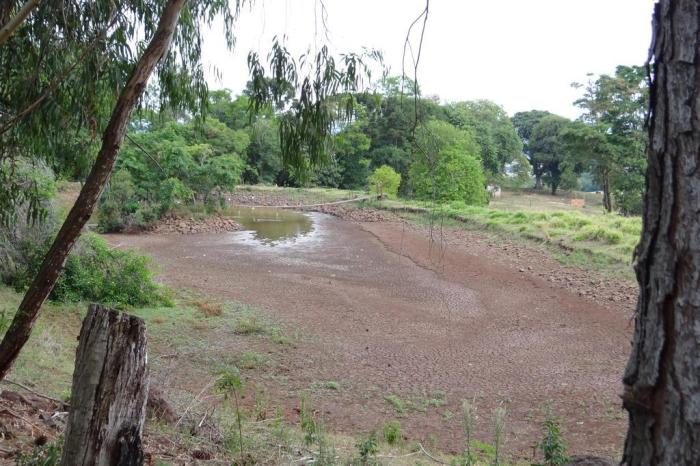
{"x":662,"y":379}
{"x":325,"y":91}
{"x":614,"y":142}
{"x":20,"y":329}
{"x":494,"y":131}
{"x":549,"y":150}
{"x":524,"y":123}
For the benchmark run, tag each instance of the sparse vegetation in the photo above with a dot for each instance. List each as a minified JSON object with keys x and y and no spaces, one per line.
{"x":392,"y":432}
{"x":552,"y":446}
{"x":397,"y":403}
{"x":251,"y":360}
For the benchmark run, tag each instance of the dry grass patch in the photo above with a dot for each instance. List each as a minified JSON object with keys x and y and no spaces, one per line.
{"x":209,"y":308}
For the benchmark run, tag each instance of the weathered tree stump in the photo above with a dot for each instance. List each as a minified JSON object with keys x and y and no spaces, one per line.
{"x":110,"y":387}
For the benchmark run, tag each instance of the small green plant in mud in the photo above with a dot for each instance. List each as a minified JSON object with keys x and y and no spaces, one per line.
{"x":230,"y":385}
{"x":499,"y":425}
{"x":397,"y":403}
{"x":436,"y":400}
{"x":315,"y":434}
{"x":468,"y":423}
{"x":552,"y":446}
{"x":367,"y":448}
{"x":392,"y":432}
{"x":332,"y":385}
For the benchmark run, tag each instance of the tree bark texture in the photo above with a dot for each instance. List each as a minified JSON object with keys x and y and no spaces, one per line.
{"x":109,"y":392}
{"x":662,"y":378}
{"x":21,"y":327}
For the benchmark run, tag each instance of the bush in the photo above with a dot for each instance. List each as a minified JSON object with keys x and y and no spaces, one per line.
{"x":118,"y":203}
{"x":96,"y":272}
{"x":93,"y":272}
{"x":146,"y":216}
{"x":385,"y":180}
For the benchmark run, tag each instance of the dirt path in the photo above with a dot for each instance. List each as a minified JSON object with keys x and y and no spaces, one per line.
{"x":382,"y":310}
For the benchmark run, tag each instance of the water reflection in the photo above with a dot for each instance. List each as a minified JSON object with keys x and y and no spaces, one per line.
{"x":271,"y":226}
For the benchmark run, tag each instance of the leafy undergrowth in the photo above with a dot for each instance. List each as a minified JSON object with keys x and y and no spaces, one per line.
{"x":204,"y":354}
{"x":605,"y":242}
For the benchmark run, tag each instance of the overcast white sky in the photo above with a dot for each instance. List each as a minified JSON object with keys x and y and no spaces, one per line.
{"x":522,"y":54}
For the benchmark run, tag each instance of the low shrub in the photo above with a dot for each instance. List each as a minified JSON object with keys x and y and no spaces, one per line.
{"x":385,"y":180}
{"x":93,"y":272}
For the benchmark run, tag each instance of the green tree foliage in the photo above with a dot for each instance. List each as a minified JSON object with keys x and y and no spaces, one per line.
{"x":524,"y":123}
{"x":549,"y":150}
{"x":446,"y":165}
{"x":392,"y":116}
{"x":350,"y":151}
{"x":264,"y":156}
{"x":60,"y":69}
{"x":614,"y":141}
{"x":170,"y":165}
{"x":494,"y":132}
{"x":385,"y":180}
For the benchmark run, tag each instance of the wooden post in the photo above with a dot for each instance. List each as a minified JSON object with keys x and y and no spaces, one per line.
{"x":110,"y":388}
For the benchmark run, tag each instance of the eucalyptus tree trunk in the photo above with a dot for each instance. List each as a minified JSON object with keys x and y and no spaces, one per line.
{"x":21,"y":327}
{"x":662,"y":379}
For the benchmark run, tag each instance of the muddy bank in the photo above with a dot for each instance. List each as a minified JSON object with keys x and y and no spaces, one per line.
{"x":527,"y":258}
{"x":389,"y":314}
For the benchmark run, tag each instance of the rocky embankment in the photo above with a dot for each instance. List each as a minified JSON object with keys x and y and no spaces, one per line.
{"x":186,"y":226}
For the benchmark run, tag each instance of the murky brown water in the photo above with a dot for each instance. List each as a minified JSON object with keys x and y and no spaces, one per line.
{"x":273,"y":226}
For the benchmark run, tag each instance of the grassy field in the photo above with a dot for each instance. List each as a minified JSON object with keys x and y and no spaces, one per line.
{"x":604,"y":242}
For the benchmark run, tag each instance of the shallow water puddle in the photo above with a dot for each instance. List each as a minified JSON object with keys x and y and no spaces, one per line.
{"x":273,"y":226}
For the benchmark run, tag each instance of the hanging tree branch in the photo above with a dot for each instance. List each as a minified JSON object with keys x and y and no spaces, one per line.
{"x":12,"y":25}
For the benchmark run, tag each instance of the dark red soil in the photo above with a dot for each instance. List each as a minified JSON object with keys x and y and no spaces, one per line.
{"x":382,"y":309}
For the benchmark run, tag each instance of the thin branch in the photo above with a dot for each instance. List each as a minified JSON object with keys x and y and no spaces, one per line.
{"x":430,"y":456}
{"x":15,"y":22}
{"x":40,"y":395}
{"x":140,"y":147}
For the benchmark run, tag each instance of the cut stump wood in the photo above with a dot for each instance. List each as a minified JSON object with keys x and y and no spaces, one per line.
{"x":110,"y":388}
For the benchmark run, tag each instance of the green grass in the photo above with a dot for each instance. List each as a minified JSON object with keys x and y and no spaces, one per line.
{"x":600,"y":241}
{"x":252,"y":360}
